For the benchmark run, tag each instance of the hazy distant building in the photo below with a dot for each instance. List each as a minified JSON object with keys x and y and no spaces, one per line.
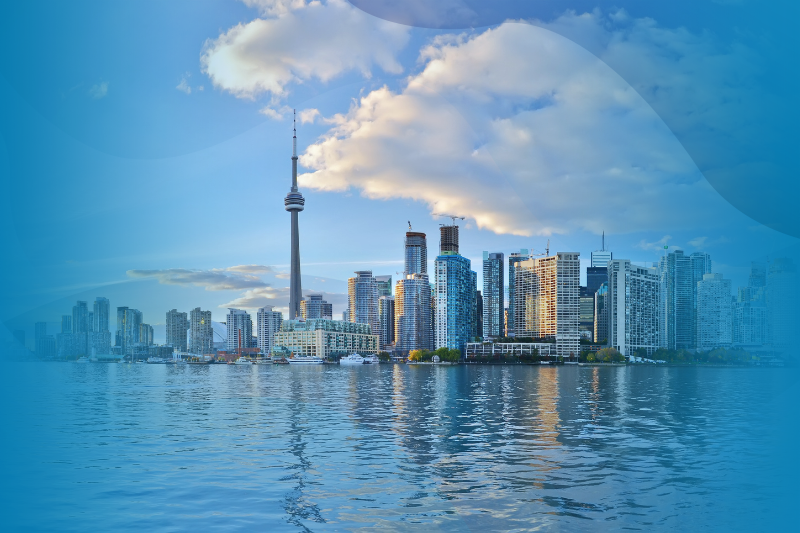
{"x":782,"y":298}
{"x":44,"y":344}
{"x":101,"y":334}
{"x":714,"y":312}
{"x":386,"y":319}
{"x":633,"y":307}
{"x":145,"y":334}
{"x":750,"y":310}
{"x":240,"y":330}
{"x":177,"y":329}
{"x":513,"y":259}
{"x":493,"y":295}
{"x":66,"y":323}
{"x":201,"y":332}
{"x":362,"y":299}
{"x":678,"y":288}
{"x":314,"y":306}
{"x":547,"y":300}
{"x":80,"y":327}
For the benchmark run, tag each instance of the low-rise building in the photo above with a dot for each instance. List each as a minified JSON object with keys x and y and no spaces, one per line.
{"x":511,"y":349}
{"x":324,"y":338}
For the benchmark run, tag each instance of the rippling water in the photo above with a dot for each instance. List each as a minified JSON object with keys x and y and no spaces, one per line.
{"x":94,"y":447}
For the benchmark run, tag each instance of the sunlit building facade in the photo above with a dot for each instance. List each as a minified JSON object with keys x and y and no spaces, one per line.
{"x":634,"y":320}
{"x":324,"y":338}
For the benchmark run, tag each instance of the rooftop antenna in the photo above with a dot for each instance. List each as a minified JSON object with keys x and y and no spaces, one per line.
{"x":604,"y":241}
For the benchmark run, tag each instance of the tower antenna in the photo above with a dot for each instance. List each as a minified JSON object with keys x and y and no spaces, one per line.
{"x":604,"y":241}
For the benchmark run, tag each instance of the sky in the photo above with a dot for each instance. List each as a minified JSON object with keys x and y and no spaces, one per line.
{"x":146,"y":146}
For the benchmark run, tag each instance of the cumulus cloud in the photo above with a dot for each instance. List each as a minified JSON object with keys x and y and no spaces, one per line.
{"x":521,"y":130}
{"x":184,"y":86}
{"x":657,"y":245}
{"x":278,"y":297}
{"x":99,"y":90}
{"x":224,"y":279}
{"x":296,"y":42}
{"x":307,"y":116}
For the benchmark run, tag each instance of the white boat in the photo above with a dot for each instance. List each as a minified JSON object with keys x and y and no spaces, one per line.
{"x":305,"y":361}
{"x":83,"y":359}
{"x":371,"y":359}
{"x":243,"y":361}
{"x":352,"y":359}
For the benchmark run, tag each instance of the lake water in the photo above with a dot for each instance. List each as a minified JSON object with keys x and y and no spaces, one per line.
{"x":113,"y":447}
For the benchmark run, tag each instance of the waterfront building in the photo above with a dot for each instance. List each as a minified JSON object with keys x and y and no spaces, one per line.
{"x":455,"y":296}
{"x":750,"y":310}
{"x":586,"y":310}
{"x":240,"y":330}
{"x":268,"y":323}
{"x":782,"y":298}
{"x":601,"y":314}
{"x":513,"y":259}
{"x":362,"y":299}
{"x":384,"y":285}
{"x":547,"y":300}
{"x":678,"y":292}
{"x":315,"y":307}
{"x":546,"y":350}
{"x":714,"y":312}
{"x":201,"y":332}
{"x":324,"y":338}
{"x":386,"y":320}
{"x":101,"y":334}
{"x":413,"y":317}
{"x":177,"y":329}
{"x":66,"y":323}
{"x":145,"y":334}
{"x":493,"y":295}
{"x":633,"y":307}
{"x":294,"y":203}
{"x":80,"y":327}
{"x":479,"y":314}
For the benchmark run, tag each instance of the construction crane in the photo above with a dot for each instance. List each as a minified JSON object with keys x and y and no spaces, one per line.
{"x":453,"y":217}
{"x":546,"y":251}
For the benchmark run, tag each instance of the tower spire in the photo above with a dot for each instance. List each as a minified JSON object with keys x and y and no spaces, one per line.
{"x":294,"y":203}
{"x":604,"y":241}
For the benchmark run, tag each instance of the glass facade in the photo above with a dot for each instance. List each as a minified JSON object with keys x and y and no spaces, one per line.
{"x":493,"y":295}
{"x":455,"y":302}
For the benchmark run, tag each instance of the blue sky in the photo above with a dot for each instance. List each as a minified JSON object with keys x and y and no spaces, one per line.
{"x":145,"y":147}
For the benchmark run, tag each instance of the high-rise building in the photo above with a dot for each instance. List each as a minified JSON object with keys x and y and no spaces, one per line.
{"x":782,"y":297}
{"x":513,"y":259}
{"x":66,"y":323}
{"x":493,"y":295}
{"x":101,"y":334}
{"x":448,"y":239}
{"x":455,"y":297}
{"x":412,"y":304}
{"x":145,"y":334}
{"x":714,"y":312}
{"x":678,"y":297}
{"x":268,"y":323}
{"x":362,"y":299}
{"x":80,"y":327}
{"x":177,"y":328}
{"x":600,"y":258}
{"x":479,"y":315}
{"x":201,"y":332}
{"x":750,"y":310}
{"x":601,"y":314}
{"x":386,"y":319}
{"x":240,"y":330}
{"x":294,"y":203}
{"x":133,"y":318}
{"x":44,"y":344}
{"x":586,"y":310}
{"x":315,"y":307}
{"x":547,"y":300}
{"x":633,"y":308}
{"x":384,"y":285}
{"x":119,"y":333}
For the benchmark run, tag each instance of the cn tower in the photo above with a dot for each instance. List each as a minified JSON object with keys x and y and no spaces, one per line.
{"x":294,"y":203}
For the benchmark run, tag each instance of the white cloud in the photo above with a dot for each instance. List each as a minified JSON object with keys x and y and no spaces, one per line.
{"x":278,"y":297}
{"x":300,"y":42}
{"x":655,"y":246}
{"x":99,"y":90}
{"x":183,"y":86}
{"x":523,"y":131}
{"x":271,"y":113}
{"x":307,"y":116}
{"x":234,"y":278}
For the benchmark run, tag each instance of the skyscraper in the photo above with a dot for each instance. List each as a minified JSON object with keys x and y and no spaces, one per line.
{"x":782,"y":297}
{"x":412,"y":302}
{"x":177,"y":327}
{"x":268,"y":323}
{"x":750,"y":310}
{"x":314,"y":306}
{"x":601,"y":257}
{"x":547,"y":300}
{"x":201,"y":332}
{"x":455,"y":294}
{"x":601,"y":314}
{"x":493,"y":295}
{"x":677,"y":293}
{"x":101,"y":335}
{"x":294,"y":203}
{"x":479,"y":314}
{"x":386,"y":319}
{"x":240,"y":330}
{"x":714,"y":317}
{"x":513,"y":259}
{"x":633,"y":308}
{"x":80,"y":327}
{"x":362,"y":299}
{"x":586,"y":321}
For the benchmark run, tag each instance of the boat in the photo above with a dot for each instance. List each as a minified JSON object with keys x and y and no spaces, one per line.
{"x":305,"y":361}
{"x":83,"y":359}
{"x":243,"y":361}
{"x":352,"y":359}
{"x":279,"y":361}
{"x":371,"y":359}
